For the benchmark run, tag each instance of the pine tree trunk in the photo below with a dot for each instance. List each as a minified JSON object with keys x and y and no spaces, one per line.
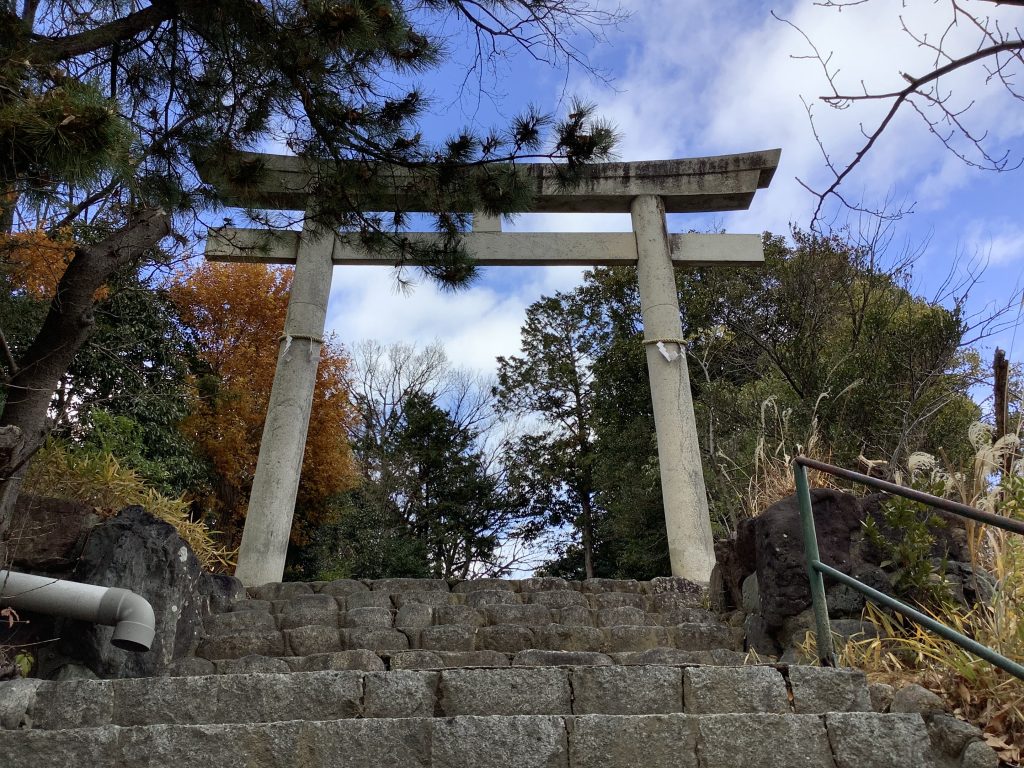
{"x":588,"y":536}
{"x":67,"y":326}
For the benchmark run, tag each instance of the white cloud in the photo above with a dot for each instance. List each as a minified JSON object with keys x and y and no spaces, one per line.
{"x":475,"y":324}
{"x":1000,"y":243}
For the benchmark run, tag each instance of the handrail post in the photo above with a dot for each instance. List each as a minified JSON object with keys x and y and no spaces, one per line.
{"x":826,"y":654}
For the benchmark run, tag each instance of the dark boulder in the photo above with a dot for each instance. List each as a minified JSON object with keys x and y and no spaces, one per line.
{"x":136,"y":551}
{"x":48,"y":535}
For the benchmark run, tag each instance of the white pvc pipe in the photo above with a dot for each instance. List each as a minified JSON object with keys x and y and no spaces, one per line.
{"x":130,"y":614}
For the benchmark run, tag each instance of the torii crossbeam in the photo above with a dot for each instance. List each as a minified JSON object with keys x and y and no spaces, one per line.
{"x":646,"y":190}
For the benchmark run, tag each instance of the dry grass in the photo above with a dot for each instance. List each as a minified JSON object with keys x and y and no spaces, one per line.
{"x":99,"y":480}
{"x":772,"y":479}
{"x":973,"y":689}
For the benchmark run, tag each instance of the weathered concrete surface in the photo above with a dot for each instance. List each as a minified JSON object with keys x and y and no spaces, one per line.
{"x":690,"y":545}
{"x":268,"y":522}
{"x":716,"y":183}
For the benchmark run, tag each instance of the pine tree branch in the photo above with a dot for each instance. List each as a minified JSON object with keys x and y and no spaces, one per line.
{"x":47,"y":50}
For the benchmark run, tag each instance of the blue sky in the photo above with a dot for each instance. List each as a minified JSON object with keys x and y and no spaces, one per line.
{"x":698,"y":78}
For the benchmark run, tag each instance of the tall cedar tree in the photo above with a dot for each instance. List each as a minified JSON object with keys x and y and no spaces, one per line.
{"x":105,"y":107}
{"x":234,"y":315}
{"x":554,"y":378}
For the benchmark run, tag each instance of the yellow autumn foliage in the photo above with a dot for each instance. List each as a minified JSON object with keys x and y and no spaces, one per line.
{"x":97,"y":479}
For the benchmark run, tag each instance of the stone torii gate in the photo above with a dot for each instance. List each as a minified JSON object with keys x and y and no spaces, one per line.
{"x":646,"y":190}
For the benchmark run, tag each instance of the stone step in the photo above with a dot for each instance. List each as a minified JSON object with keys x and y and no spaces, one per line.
{"x":315,"y":639}
{"x":349,"y":612}
{"x":578,"y":690}
{"x":676,"y":740}
{"x":368,"y":661}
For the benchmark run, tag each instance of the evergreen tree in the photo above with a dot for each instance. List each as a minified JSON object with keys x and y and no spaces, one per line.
{"x":106,"y":107}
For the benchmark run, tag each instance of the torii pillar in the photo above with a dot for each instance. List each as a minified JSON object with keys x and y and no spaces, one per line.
{"x":645,"y":190}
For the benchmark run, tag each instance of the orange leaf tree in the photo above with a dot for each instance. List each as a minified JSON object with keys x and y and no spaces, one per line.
{"x":234,"y":315}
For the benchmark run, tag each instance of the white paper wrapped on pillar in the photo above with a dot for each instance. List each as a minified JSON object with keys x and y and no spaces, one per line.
{"x":646,"y":190}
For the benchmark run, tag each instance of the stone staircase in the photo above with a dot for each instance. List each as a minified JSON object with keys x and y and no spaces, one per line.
{"x":536,"y":673}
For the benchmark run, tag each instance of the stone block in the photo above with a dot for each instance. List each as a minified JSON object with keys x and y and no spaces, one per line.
{"x":540,"y":658}
{"x":402,"y":599}
{"x":375,"y":639}
{"x":591,"y":586}
{"x":239,"y":622}
{"x":729,"y":690}
{"x":449,"y":637}
{"x":461,"y":659}
{"x":871,"y":740}
{"x":526,"y":615}
{"x":459,"y":614}
{"x":308,"y":617}
{"x":252,"y":664}
{"x":488,"y":742}
{"x":191,"y":666}
{"x":751,"y":599}
{"x":881,"y":696}
{"x":559,"y":598}
{"x":695,"y":595}
{"x":368,"y":600}
{"x":654,"y":741}
{"x":484,"y":597}
{"x":574,"y":615}
{"x":566,"y":637}
{"x":321,"y":602}
{"x":237,"y":646}
{"x":621,"y":616}
{"x":637,"y":638}
{"x":362,"y":743}
{"x":669,"y":656}
{"x":978,"y":754}
{"x":512,"y":691}
{"x":949,"y":735}
{"x":703,"y":637}
{"x":416,"y":660}
{"x":359,"y":659}
{"x":173,"y":700}
{"x":817,"y":690}
{"x":281,"y":591}
{"x":394,"y":586}
{"x":546,"y":584}
{"x":368,"y":617}
{"x":72,"y":704}
{"x":400,"y":693}
{"x":475,"y":585}
{"x":601,"y":600}
{"x":619,"y":690}
{"x":226,"y":746}
{"x":342,"y":587}
{"x":765,"y":741}
{"x":662,"y":602}
{"x":250,"y":605}
{"x":312,"y":639}
{"x":916,"y":699}
{"x":505,"y":691}
{"x":506,"y":639}
{"x":60,"y":749}
{"x":415,"y":615}
{"x":672,"y":615}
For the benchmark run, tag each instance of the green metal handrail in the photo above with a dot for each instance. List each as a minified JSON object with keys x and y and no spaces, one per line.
{"x":817,"y":569}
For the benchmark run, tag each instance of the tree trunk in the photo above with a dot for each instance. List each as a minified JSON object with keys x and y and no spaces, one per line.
{"x":588,"y":535}
{"x":67,"y":326}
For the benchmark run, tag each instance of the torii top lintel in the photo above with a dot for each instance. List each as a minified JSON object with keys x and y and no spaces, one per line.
{"x":689,"y":185}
